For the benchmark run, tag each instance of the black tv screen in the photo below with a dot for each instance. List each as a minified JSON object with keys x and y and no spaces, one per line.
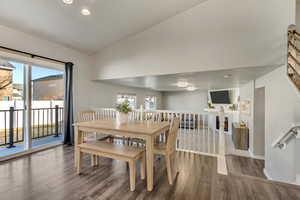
{"x":220,"y":97}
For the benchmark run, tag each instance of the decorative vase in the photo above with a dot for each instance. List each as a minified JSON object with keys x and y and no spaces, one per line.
{"x":121,"y":117}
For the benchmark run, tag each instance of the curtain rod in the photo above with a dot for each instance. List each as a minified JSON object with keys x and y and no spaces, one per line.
{"x":32,"y":55}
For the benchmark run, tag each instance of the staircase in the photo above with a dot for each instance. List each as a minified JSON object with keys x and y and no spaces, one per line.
{"x":293,"y":63}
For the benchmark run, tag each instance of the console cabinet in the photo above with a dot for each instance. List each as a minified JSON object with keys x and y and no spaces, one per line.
{"x":240,"y":136}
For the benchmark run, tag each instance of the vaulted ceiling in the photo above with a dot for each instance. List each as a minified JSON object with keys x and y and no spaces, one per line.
{"x":110,"y":20}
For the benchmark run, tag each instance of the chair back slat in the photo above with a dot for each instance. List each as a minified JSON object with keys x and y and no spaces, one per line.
{"x":172,"y":135}
{"x":87,"y":115}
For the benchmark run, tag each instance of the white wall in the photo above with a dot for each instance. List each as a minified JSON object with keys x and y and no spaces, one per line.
{"x":216,"y":34}
{"x":107,"y":94}
{"x":282,"y":110}
{"x":259,"y":122}
{"x":87,"y":93}
{"x":298,"y":15}
{"x":185,"y":101}
{"x":82,"y":63}
{"x":247,"y":93}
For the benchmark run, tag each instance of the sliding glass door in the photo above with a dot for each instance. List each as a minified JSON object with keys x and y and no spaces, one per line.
{"x":11,"y":106}
{"x":47,"y":105}
{"x":31,"y":106}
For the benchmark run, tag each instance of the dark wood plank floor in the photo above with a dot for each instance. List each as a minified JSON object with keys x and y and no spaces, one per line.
{"x":239,"y":165}
{"x":50,"y":175}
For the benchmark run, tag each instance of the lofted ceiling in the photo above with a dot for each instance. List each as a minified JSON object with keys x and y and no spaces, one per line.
{"x":110,"y":20}
{"x":201,"y":80}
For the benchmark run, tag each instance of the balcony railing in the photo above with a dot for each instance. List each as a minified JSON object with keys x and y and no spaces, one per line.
{"x":45,"y":122}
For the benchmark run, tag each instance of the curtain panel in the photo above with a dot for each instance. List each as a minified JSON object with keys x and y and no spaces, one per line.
{"x":68,"y":105}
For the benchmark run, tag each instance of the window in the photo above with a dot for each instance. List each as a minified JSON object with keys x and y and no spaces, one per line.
{"x":130,"y":97}
{"x":6,"y":98}
{"x":150,"y":102}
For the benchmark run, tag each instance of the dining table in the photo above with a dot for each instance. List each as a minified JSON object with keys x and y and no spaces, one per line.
{"x":145,"y":130}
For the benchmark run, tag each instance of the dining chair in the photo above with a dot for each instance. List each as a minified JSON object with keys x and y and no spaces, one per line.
{"x":151,"y":116}
{"x":90,"y":115}
{"x":168,"y":148}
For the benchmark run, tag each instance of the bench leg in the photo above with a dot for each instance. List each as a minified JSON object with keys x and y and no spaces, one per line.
{"x":78,"y":161}
{"x":132,"y":174}
{"x":92,"y":160}
{"x":143,"y":166}
{"x":169,"y":168}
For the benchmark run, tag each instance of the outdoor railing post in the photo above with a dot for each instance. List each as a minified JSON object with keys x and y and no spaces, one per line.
{"x":56,"y":121}
{"x":11,"y":127}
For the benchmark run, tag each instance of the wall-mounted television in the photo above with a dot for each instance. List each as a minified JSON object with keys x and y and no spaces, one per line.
{"x":220,"y":97}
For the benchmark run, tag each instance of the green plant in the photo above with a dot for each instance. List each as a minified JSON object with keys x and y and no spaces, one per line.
{"x":210,"y":105}
{"x":124,"y":107}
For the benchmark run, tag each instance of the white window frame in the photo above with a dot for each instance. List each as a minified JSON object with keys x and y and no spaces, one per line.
{"x":133,"y":105}
{"x":155,"y":102}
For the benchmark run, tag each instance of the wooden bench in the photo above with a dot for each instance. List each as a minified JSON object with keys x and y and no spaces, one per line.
{"x":117,"y":152}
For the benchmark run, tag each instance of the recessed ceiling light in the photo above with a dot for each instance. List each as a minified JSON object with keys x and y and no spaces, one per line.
{"x":68,"y":1}
{"x":191,"y":88}
{"x":85,"y":11}
{"x":227,"y":76}
{"x":182,"y":84}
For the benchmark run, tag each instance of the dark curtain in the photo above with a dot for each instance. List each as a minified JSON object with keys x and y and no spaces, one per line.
{"x":68,"y":105}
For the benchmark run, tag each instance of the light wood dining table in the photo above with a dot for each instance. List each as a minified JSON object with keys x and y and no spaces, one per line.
{"x":146,"y":130}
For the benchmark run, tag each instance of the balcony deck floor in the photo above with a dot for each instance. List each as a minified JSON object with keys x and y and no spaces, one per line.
{"x":20,"y":147}
{"x":50,"y":174}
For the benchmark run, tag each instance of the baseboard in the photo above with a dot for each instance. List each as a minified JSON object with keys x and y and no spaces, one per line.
{"x":298,"y":179}
{"x":27,"y":152}
{"x":256,"y":156}
{"x":197,"y":152}
{"x":267,"y":175}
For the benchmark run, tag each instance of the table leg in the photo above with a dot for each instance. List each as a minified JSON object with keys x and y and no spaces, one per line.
{"x":77,"y":141}
{"x":150,"y":155}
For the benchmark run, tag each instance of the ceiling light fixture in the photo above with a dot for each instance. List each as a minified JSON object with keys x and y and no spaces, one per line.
{"x":67,"y":1}
{"x":85,"y":12}
{"x":227,"y":76}
{"x":182,"y":84}
{"x":191,"y":88}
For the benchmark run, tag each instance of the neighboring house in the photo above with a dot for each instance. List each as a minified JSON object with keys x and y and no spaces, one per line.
{"x":48,"y":88}
{"x":17,"y":91}
{"x":6,"y":80}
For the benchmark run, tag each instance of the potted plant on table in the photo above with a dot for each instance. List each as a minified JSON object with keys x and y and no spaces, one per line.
{"x":122,"y":112}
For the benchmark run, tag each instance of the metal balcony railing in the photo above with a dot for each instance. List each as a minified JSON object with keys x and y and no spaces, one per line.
{"x":45,"y":122}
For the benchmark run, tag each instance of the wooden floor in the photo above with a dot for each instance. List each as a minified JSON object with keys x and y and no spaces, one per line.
{"x":239,"y":165}
{"x":50,"y":175}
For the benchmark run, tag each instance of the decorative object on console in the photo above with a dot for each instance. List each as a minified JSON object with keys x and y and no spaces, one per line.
{"x":243,"y":124}
{"x":233,"y":107}
{"x":210,"y":106}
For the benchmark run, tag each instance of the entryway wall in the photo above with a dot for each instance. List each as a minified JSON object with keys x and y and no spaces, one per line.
{"x":282,"y":104}
{"x":259,"y":122}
